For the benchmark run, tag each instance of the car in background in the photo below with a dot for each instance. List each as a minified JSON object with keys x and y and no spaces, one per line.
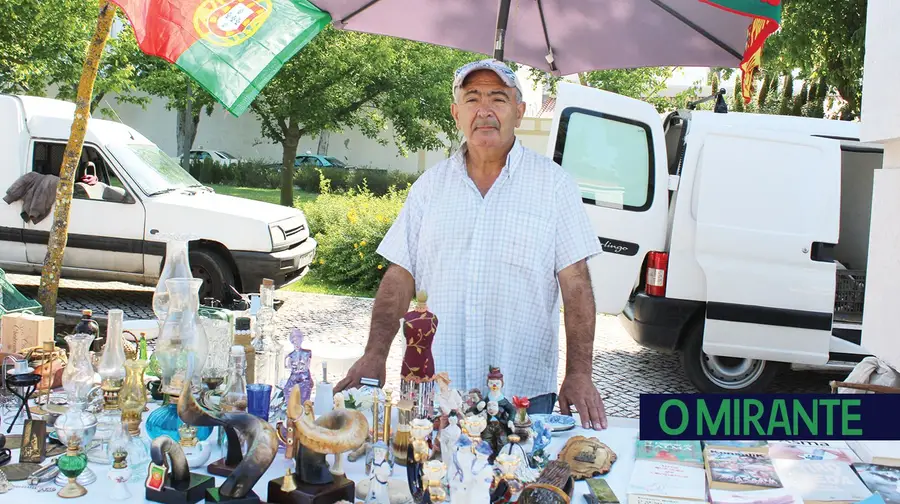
{"x":319,"y":161}
{"x":217,"y":156}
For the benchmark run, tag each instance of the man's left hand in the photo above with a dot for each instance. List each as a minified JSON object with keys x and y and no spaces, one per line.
{"x":578,"y":390}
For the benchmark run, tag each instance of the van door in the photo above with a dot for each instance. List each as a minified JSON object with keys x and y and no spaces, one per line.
{"x":767,"y":206}
{"x":615,"y":149}
{"x":106,"y":220}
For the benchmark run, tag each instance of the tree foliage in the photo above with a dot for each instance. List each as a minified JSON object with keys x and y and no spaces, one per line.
{"x":345,"y":79}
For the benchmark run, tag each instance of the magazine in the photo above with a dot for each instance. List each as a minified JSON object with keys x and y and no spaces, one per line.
{"x":688,"y":452}
{"x":837,"y":451}
{"x":737,"y":469}
{"x":882,"y":479}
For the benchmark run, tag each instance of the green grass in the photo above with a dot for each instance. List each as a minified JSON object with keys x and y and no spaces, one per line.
{"x":308,"y":283}
{"x":266,"y":195}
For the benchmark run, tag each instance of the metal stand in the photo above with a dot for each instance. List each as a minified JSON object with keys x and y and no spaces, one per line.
{"x":22,"y":386}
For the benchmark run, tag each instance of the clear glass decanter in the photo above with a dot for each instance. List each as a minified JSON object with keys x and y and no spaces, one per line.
{"x":177,"y":265}
{"x":235,"y":397}
{"x":268,"y":352}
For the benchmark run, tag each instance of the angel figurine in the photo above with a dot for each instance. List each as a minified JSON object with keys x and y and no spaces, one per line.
{"x":381,"y":461}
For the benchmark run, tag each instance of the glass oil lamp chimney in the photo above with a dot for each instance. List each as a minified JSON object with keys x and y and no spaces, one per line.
{"x":112,"y":375}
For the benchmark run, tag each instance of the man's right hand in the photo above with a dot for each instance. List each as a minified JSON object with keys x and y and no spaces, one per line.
{"x":368,"y":366}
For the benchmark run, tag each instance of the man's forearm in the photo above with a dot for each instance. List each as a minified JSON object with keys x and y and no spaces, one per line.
{"x":391,"y":303}
{"x":580,"y":318}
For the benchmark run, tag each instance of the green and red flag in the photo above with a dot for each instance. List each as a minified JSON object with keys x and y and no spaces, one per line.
{"x":766,"y":18}
{"x":231,"y":48}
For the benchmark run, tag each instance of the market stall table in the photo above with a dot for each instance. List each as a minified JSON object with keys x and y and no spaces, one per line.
{"x":621,"y":436}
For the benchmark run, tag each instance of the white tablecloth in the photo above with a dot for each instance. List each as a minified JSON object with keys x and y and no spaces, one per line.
{"x":620,"y":436}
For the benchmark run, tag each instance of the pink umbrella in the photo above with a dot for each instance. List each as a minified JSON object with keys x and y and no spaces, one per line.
{"x":569,"y":36}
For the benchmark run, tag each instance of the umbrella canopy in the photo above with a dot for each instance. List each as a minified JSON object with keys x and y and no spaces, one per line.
{"x":566,"y":36}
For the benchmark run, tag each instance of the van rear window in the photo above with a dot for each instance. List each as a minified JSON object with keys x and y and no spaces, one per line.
{"x":608,"y":156}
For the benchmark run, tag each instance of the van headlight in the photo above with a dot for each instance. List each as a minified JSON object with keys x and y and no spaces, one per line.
{"x":278,"y":235}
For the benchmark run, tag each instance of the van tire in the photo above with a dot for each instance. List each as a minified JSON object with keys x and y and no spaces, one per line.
{"x":214,"y":270}
{"x":750,"y":375}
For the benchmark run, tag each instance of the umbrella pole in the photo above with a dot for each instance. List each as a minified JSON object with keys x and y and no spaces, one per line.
{"x":502,"y":22}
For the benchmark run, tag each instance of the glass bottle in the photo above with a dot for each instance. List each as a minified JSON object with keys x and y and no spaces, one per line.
{"x":177,"y":265}
{"x":133,"y":396}
{"x":78,"y":376}
{"x":112,"y":375}
{"x":264,"y":344}
{"x":88,"y":325}
{"x":219,"y":326}
{"x":242,"y":337}
{"x":181,"y":352}
{"x":235,"y":397}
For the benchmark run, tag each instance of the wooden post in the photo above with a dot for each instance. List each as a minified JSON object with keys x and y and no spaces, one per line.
{"x":59,"y":230}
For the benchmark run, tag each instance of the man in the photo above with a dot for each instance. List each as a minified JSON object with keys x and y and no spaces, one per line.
{"x":492,"y":234}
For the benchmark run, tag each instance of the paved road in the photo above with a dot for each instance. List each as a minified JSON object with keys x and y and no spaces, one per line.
{"x":622,"y":369}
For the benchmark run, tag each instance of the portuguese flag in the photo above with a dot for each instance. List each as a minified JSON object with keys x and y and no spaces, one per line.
{"x":231,"y":48}
{"x":766,"y":18}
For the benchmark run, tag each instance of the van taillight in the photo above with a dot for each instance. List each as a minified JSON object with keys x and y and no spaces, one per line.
{"x":657,"y":265}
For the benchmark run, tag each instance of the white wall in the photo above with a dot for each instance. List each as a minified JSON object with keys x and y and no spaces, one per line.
{"x":880,"y":122}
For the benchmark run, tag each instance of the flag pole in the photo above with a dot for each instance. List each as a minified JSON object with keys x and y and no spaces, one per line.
{"x":50,"y":273}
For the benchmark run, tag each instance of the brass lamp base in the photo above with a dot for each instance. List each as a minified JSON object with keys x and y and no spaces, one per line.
{"x":72,"y":490}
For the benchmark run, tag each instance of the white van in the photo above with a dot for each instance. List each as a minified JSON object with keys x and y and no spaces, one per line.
{"x":738,"y":240}
{"x":142,"y":193}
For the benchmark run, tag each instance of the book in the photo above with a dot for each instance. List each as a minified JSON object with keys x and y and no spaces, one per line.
{"x":813,"y":450}
{"x":689,"y":452}
{"x":821,"y":480}
{"x":768,"y":496}
{"x":885,"y":480}
{"x":651,"y":478}
{"x":601,"y":490}
{"x":759,"y":446}
{"x":740,"y":470}
{"x":877,"y":452}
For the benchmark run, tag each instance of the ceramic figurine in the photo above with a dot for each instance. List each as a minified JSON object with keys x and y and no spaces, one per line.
{"x":417,"y":369}
{"x":542,"y":437}
{"x":458,"y":475}
{"x":523,"y":471}
{"x":475,"y":403}
{"x":337,"y":468}
{"x":298,"y":362}
{"x":495,"y":393}
{"x":448,"y":399}
{"x":481,"y":475}
{"x":448,"y":436}
{"x":496,"y":432}
{"x":382,"y":469}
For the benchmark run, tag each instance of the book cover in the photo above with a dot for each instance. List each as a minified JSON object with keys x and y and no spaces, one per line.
{"x":821,"y":480}
{"x":601,"y":490}
{"x":689,"y":452}
{"x":837,"y":451}
{"x":667,"y":479}
{"x":882,"y":479}
{"x":742,"y":445}
{"x":768,"y":496}
{"x":740,"y":470}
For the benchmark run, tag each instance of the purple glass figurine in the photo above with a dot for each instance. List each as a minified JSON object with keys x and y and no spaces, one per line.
{"x":298,"y":362}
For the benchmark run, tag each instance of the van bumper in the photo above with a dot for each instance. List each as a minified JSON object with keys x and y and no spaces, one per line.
{"x":658,"y":322}
{"x":283,"y":267}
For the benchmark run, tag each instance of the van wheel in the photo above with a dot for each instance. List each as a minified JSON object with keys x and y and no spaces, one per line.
{"x":213,"y":270}
{"x":714,"y":374}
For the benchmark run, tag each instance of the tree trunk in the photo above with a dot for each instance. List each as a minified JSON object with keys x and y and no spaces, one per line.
{"x":186,"y":130}
{"x":322,"y":149}
{"x":56,"y":246}
{"x":289,"y":154}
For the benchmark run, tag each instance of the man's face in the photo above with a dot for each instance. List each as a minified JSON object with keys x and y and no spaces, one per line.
{"x":486,"y":110}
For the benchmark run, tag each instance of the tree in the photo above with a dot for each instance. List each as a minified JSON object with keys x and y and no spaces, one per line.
{"x":56,"y":247}
{"x":344,"y":79}
{"x":823,"y":39}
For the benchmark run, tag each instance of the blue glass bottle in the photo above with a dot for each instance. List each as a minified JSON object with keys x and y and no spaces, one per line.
{"x":164,"y":421}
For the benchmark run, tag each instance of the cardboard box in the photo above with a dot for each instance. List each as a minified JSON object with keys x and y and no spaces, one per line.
{"x":19,"y":331}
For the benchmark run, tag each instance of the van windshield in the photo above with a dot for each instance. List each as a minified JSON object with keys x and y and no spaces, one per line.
{"x":152,"y":170}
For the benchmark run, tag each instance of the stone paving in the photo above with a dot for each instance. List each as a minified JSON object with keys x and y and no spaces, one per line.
{"x":622,"y":369}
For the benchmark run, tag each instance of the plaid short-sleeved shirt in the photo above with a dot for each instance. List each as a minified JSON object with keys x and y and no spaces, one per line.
{"x":489,"y":265}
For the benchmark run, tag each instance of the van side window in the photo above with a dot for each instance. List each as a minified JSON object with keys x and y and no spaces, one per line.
{"x":47,"y":159}
{"x":609,"y":157}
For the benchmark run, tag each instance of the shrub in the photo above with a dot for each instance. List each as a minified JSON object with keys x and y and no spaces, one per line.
{"x":349,"y":227}
{"x":343,"y":180}
{"x":247,"y":173}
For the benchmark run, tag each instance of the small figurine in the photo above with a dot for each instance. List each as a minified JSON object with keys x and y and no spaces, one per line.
{"x":495,"y":393}
{"x":481,"y":475}
{"x":382,"y":469}
{"x":542,"y":437}
{"x":449,"y":400}
{"x":417,"y":369}
{"x":298,"y":362}
{"x":337,"y":468}
{"x":448,"y":437}
{"x":496,"y":432}
{"x":475,"y":403}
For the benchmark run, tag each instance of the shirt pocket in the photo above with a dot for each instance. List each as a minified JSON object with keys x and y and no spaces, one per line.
{"x":526,"y":242}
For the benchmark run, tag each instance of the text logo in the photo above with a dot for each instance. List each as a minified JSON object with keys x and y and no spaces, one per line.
{"x":230,"y":22}
{"x":768,"y":417}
